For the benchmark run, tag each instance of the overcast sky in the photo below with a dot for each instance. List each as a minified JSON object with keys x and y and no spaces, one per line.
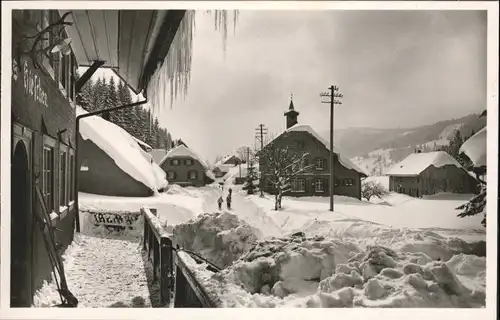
{"x":395,"y":69}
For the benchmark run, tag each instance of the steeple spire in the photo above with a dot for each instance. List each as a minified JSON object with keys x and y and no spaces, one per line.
{"x":291,"y":107}
{"x":291,"y":114}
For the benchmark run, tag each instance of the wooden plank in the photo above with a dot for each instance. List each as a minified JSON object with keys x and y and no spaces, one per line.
{"x":193,"y":283}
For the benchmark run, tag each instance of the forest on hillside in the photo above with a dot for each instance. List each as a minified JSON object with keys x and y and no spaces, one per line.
{"x":137,"y":121}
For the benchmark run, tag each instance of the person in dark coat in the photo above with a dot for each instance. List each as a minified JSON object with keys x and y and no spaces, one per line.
{"x":219,"y":202}
{"x":228,"y":200}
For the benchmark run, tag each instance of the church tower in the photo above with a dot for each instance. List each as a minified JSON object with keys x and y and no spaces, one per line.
{"x":291,"y":114}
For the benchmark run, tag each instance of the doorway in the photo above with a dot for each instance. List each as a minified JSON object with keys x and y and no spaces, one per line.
{"x":20,"y":246}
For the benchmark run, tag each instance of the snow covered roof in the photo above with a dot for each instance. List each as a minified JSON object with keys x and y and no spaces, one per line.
{"x":475,"y":148}
{"x":142,"y":143}
{"x":415,"y":163}
{"x":183,"y":151}
{"x":326,"y":142}
{"x":120,"y":146}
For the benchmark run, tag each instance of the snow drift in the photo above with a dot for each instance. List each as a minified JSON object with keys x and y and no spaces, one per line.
{"x":475,"y":148}
{"x":219,"y":237}
{"x":123,"y":149}
{"x":317,"y":272}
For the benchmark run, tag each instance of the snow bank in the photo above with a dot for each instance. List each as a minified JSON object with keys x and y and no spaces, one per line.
{"x":475,"y":148}
{"x":318,"y":272}
{"x":123,"y":149}
{"x":219,"y":237}
{"x":415,"y":163}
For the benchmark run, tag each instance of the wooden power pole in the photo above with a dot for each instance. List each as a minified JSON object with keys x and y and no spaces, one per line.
{"x":332,"y":95}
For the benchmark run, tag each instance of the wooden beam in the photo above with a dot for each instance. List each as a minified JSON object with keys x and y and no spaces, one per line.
{"x":87,"y":75}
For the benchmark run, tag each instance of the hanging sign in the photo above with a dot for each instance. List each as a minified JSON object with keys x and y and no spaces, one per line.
{"x":33,"y":87}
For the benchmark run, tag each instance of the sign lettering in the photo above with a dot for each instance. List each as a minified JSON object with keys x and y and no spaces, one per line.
{"x":33,"y":87}
{"x":114,"y":219}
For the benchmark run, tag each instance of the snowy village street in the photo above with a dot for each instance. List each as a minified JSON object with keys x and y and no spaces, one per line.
{"x":98,"y":261}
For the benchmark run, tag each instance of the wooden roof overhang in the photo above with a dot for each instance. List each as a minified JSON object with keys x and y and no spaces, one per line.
{"x":130,"y":42}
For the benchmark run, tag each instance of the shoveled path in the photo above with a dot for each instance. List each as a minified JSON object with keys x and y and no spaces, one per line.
{"x":104,"y":272}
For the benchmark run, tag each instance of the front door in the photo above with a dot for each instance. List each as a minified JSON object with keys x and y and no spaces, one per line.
{"x":20,"y":274}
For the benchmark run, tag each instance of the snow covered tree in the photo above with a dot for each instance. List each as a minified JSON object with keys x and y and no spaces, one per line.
{"x":477,"y":205}
{"x":85,"y":97}
{"x":371,"y":189}
{"x":249,"y":184}
{"x":283,"y":166}
{"x":112,"y":101}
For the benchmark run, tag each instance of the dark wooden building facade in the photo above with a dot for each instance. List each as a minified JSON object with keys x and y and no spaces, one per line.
{"x":430,"y":173}
{"x":43,"y":154}
{"x":302,"y":139}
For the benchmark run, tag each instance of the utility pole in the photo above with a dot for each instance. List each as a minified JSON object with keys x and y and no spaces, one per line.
{"x":332,"y":95}
{"x":259,"y":135}
{"x":260,"y":131}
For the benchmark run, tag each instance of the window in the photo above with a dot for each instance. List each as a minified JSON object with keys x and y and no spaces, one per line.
{"x":319,"y":185}
{"x":85,"y":165}
{"x":298,"y":185}
{"x":62,"y":179}
{"x":193,"y":175}
{"x":188,"y":162}
{"x":48,"y":177}
{"x":320,"y":164}
{"x":348,"y":182}
{"x":71,"y":177}
{"x":171,"y":175}
{"x":174,"y":162}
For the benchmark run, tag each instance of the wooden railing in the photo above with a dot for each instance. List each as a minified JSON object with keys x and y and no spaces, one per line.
{"x":158,"y":246}
{"x":189,"y":292}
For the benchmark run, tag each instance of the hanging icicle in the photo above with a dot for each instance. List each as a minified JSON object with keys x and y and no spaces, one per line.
{"x":172,"y":77}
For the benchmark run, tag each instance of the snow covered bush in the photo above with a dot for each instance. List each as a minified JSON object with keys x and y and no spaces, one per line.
{"x":371,"y":189}
{"x":250,"y":186}
{"x":476,"y":205}
{"x":219,"y":237}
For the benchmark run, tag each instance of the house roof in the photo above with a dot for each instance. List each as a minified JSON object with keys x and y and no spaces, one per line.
{"x":475,"y":148}
{"x":415,"y":163}
{"x":307,"y":128}
{"x":142,"y":143}
{"x":120,"y":146}
{"x":181,"y":151}
{"x":131,"y":42}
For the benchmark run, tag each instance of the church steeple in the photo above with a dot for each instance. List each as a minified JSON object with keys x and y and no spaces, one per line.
{"x":291,"y":114}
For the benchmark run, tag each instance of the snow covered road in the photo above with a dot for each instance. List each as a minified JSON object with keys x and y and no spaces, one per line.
{"x":103,"y":272}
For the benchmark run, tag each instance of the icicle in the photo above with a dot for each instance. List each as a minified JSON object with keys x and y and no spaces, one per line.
{"x":174,"y":75}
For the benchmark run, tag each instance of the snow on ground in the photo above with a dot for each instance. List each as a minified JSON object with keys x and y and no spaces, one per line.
{"x":103,"y":270}
{"x":318,"y":272}
{"x":176,"y":205}
{"x":123,"y":149}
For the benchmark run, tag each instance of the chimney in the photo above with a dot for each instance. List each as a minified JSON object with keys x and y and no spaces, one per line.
{"x":291,"y":115}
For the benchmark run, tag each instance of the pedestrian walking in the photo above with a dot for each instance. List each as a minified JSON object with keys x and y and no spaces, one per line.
{"x":228,"y":201}
{"x":219,"y":202}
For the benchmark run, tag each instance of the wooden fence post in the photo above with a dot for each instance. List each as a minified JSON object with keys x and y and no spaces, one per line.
{"x":165,"y":271}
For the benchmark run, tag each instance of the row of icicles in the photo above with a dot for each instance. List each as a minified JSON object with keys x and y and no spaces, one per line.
{"x":172,"y":77}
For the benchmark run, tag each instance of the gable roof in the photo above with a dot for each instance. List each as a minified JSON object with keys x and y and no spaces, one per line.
{"x":307,"y":128}
{"x":183,"y":151}
{"x":415,"y":163}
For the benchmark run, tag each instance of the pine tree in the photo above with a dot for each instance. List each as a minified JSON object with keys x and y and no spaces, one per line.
{"x":85,"y":97}
{"x":112,"y":101}
{"x":250,"y":185}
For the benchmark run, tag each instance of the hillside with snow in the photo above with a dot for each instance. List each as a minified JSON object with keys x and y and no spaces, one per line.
{"x":377,"y":150}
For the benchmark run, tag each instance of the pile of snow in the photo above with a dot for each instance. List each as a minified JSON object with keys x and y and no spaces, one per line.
{"x":120,"y":146}
{"x":318,"y":272}
{"x":475,"y":148}
{"x":415,"y":163}
{"x":219,"y":237}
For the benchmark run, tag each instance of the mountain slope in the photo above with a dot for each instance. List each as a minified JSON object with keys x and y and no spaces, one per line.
{"x":375,"y":150}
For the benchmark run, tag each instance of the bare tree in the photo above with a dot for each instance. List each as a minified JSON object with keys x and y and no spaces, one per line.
{"x":371,"y":189}
{"x":282,"y":165}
